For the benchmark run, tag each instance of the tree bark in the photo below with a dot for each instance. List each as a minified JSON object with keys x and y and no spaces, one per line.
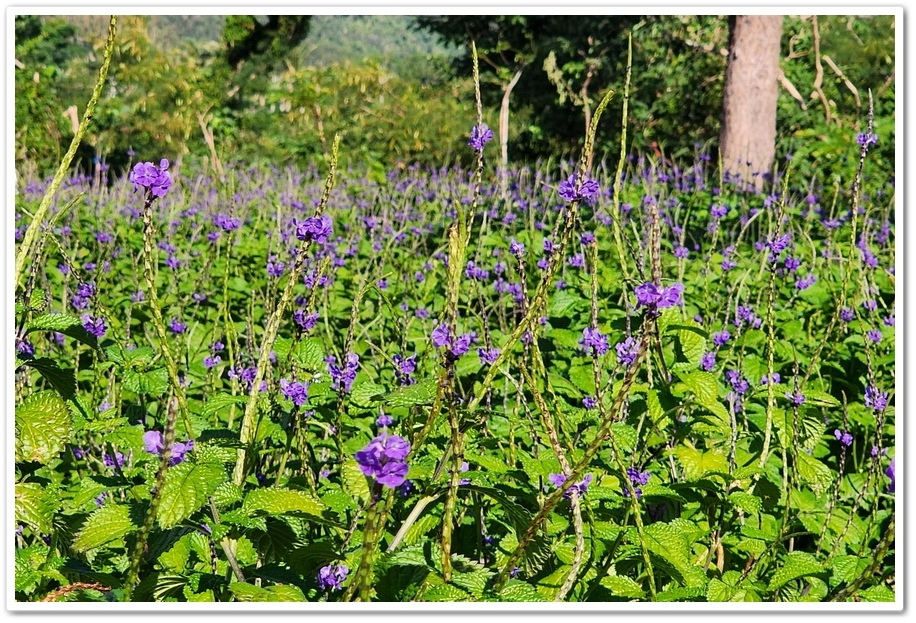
{"x":748,"y":139}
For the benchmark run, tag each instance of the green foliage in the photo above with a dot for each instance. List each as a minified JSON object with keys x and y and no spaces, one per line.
{"x":43,"y":426}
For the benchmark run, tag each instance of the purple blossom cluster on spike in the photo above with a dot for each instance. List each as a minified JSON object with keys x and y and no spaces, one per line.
{"x":442,"y":338}
{"x":843,"y":437}
{"x":152,"y":441}
{"x":156,"y":180}
{"x":480,"y":136}
{"x":314,"y":229}
{"x":652,"y":297}
{"x":305,"y":321}
{"x":94,"y":325}
{"x":875,"y":398}
{"x":891,"y":473}
{"x":867,"y":139}
{"x":593,"y":342}
{"x":383,"y":459}
{"x":331,"y":577}
{"x":557,"y":480}
{"x":588,"y":190}
{"x":638,"y":479}
{"x":488,"y":355}
{"x":294,"y":391}
{"x":627,"y":351}
{"x":404,"y":367}
{"x":342,"y":377}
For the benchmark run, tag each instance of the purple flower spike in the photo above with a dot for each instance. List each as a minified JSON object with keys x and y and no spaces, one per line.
{"x":317,"y":229}
{"x":383,"y":460}
{"x":480,"y":136}
{"x":154,"y":179}
{"x":331,"y":577}
{"x":892,"y":474}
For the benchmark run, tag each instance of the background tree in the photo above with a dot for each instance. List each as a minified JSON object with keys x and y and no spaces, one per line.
{"x":748,"y":141}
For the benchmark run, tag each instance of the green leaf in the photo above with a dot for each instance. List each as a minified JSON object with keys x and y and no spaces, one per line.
{"x":747,"y":502}
{"x":43,"y":425}
{"x":819,"y":398}
{"x":669,"y":543}
{"x":309,"y":355}
{"x":563,"y":386}
{"x":106,"y":524}
{"x":697,"y":463}
{"x":187,"y":487}
{"x":563,"y":303}
{"x":797,"y":565}
{"x":151,"y":383}
{"x":367,"y":394}
{"x":63,"y":323}
{"x":518,"y":591}
{"x":62,"y":380}
{"x":354,"y":480}
{"x":34,"y":506}
{"x":244,"y":591}
{"x":622,"y":586}
{"x":421,"y":393}
{"x":879,"y":592}
{"x":445,"y":592}
{"x":278,"y":501}
{"x":220,"y":401}
{"x":625,"y":436}
{"x":813,"y":473}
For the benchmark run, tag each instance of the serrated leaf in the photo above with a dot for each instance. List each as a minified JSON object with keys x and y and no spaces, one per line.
{"x":819,"y":398}
{"x":878,"y":593}
{"x":280,"y":592}
{"x":518,"y":591}
{"x":367,"y":394}
{"x":813,"y":472}
{"x":563,"y":386}
{"x":421,"y":393}
{"x":309,"y":355}
{"x":354,"y":481}
{"x":625,"y":436}
{"x":705,"y":389}
{"x":747,"y":502}
{"x":187,"y":487}
{"x":445,"y":592}
{"x":796,"y":565}
{"x":151,"y":383}
{"x":278,"y":501}
{"x":61,"y":379}
{"x":563,"y":302}
{"x":106,"y":524}
{"x":226,"y":493}
{"x":63,"y":323}
{"x":43,"y":425}
{"x":623,"y":586}
{"x":848,"y":568}
{"x":681,"y":593}
{"x":34,"y":507}
{"x":697,"y":463}
{"x":220,"y":401}
{"x":669,"y":543}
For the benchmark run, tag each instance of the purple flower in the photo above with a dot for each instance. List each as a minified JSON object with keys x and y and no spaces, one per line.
{"x":843,"y":437}
{"x":588,"y":190}
{"x":867,"y":139}
{"x":805,"y":282}
{"x":480,"y":136}
{"x":874,"y":335}
{"x":516,"y":248}
{"x":110,"y":462}
{"x":875,"y":398}
{"x":404,"y":368}
{"x":847,"y":314}
{"x":594,"y":342}
{"x":463,"y":343}
{"x":383,"y":459}
{"x":331,"y":577}
{"x":95,"y":326}
{"x":226,"y":223}
{"x":718,"y":211}
{"x":775,"y":379}
{"x":557,"y":480}
{"x":721,"y":338}
{"x":589,"y":402}
{"x":651,"y":296}
{"x":778,"y":245}
{"x":797,"y":398}
{"x":891,"y":473}
{"x":342,"y":378}
{"x":637,"y":478}
{"x":152,"y":441}
{"x":306,"y":321}
{"x":295,"y":392}
{"x":314,"y":228}
{"x":708,"y":361}
{"x":384,"y":420}
{"x":627,"y":351}
{"x":488,"y":355}
{"x":155,"y":179}
{"x":738,"y":383}
{"x":176,"y":326}
{"x":441,"y":336}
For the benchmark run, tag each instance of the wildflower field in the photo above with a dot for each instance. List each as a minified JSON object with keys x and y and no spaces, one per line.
{"x":621,"y":380}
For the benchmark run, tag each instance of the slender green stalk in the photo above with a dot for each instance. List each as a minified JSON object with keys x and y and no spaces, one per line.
{"x":247,"y":432}
{"x":35,"y":226}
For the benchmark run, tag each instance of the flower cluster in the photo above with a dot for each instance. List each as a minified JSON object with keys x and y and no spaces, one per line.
{"x":875,"y":398}
{"x":95,"y":326}
{"x":579,"y":488}
{"x":383,"y":459}
{"x":404,"y":367}
{"x":627,"y":351}
{"x":480,"y":136}
{"x":152,"y":441}
{"x":294,"y":391}
{"x":156,"y":180}
{"x":594,"y":342}
{"x":844,"y":437}
{"x":638,"y":479}
{"x":588,"y":190}
{"x":331,"y":577}
{"x":442,"y":338}
{"x":342,"y":378}
{"x":652,"y":296}
{"x":314,"y":229}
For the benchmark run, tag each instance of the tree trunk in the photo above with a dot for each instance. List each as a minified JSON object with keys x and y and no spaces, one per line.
{"x":748,"y":140}
{"x":504,"y":134}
